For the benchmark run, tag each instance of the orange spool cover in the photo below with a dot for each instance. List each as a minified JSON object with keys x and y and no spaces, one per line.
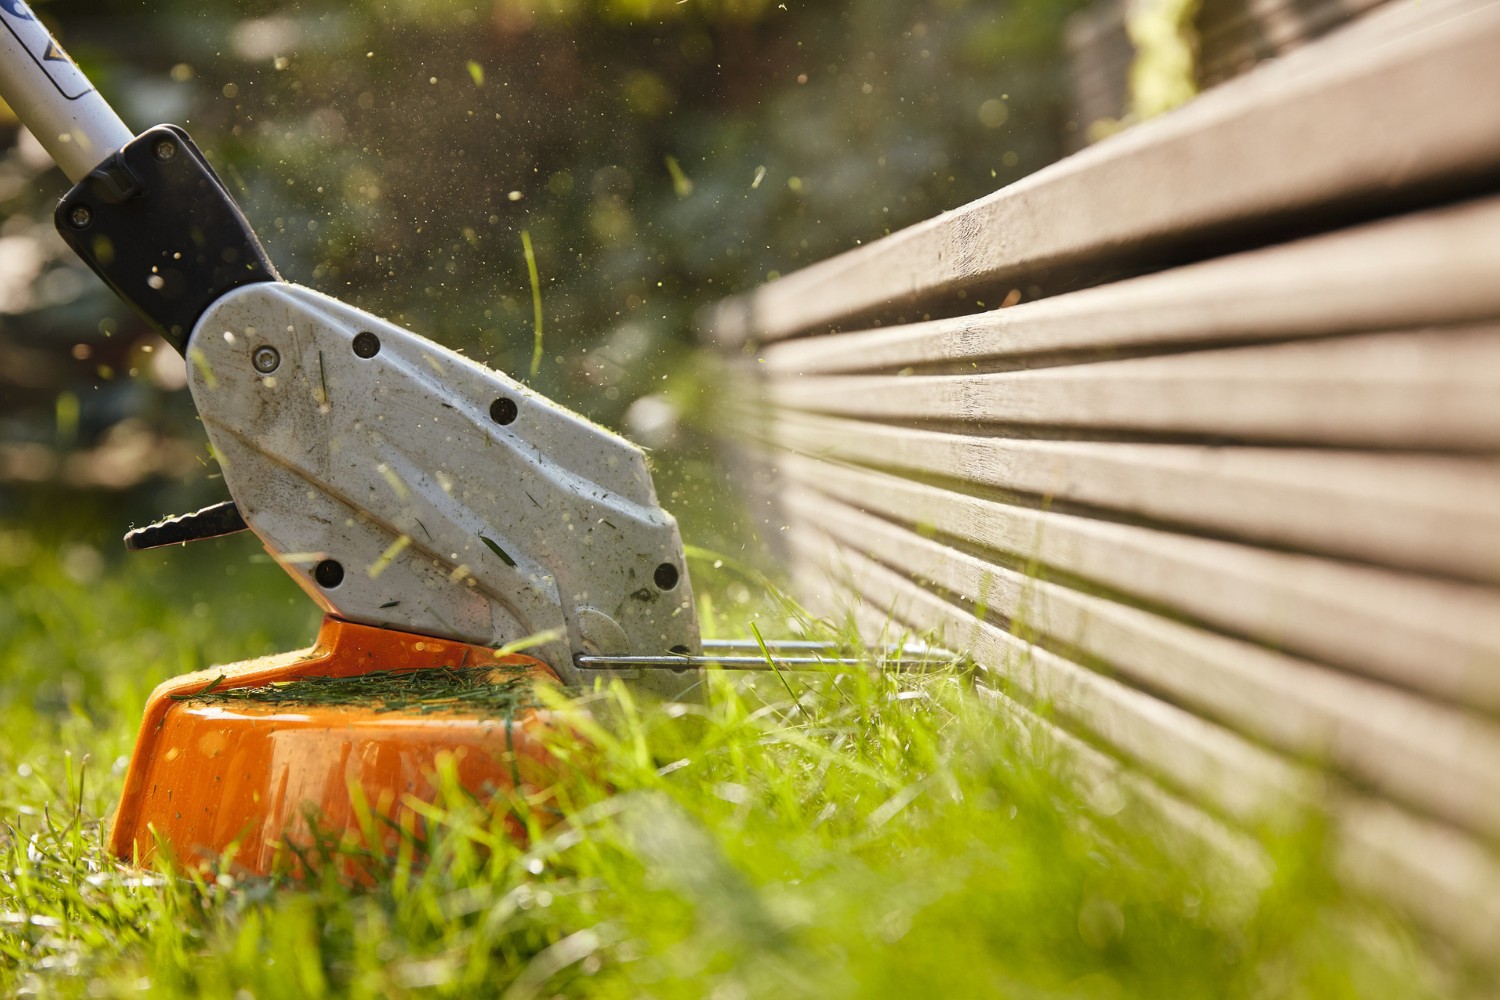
{"x":210,"y":777}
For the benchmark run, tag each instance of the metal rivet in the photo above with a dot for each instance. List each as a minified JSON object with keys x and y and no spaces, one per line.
{"x":503,"y":411}
{"x":666,"y":576}
{"x":329,"y":574}
{"x":79,"y":216}
{"x":164,"y":149}
{"x":366,"y":344}
{"x":265,"y":359}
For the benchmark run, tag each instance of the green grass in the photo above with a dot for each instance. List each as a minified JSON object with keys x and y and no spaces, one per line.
{"x":850,"y":835}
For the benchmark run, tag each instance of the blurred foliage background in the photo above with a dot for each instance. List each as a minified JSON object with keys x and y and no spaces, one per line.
{"x":661,"y":154}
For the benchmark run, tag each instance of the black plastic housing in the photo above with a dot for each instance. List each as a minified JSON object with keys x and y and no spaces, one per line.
{"x":158,"y":226}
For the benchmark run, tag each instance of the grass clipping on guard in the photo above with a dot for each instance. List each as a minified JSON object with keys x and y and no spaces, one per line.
{"x":483,"y":691}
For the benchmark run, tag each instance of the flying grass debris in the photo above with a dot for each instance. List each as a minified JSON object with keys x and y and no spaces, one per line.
{"x":536,"y":303}
{"x":498,"y":691}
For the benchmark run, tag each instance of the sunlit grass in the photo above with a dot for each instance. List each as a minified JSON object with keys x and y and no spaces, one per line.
{"x":858,"y":834}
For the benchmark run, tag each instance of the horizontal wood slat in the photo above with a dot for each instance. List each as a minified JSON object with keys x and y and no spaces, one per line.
{"x":1416,"y":512}
{"x":1426,"y":269}
{"x":1430,"y":635}
{"x":1236,"y":157}
{"x":1432,"y":389}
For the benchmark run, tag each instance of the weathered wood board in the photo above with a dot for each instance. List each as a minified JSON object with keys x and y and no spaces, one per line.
{"x":1218,"y":505}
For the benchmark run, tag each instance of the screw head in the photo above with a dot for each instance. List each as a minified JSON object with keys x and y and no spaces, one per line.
{"x":80,"y":216}
{"x":329,"y":574}
{"x":265,"y":359}
{"x":503,"y":411}
{"x":164,"y":149}
{"x":366,"y":344}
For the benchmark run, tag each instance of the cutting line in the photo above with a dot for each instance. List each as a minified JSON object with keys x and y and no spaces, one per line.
{"x":675,"y":662}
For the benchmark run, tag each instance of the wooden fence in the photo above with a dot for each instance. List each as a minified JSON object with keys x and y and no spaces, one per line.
{"x":1221,"y":490}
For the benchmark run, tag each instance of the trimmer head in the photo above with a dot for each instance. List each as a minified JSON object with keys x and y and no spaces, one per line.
{"x":233,"y":764}
{"x":446,"y":508}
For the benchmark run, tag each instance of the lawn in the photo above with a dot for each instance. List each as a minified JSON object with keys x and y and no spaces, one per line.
{"x":853,"y":834}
